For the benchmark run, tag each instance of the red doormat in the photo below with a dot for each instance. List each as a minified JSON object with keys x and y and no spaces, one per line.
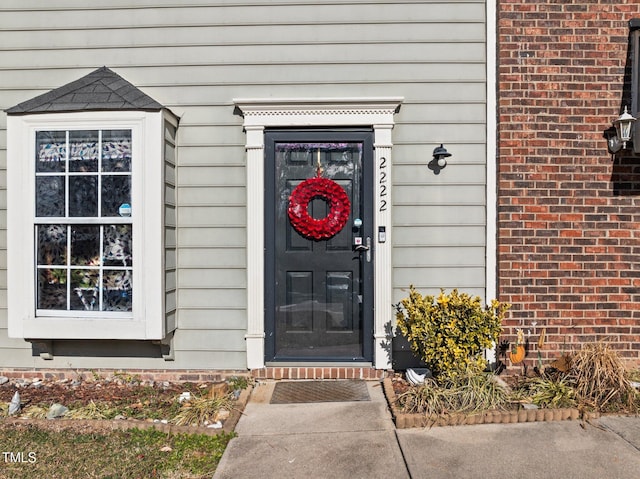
{"x":319,"y":391}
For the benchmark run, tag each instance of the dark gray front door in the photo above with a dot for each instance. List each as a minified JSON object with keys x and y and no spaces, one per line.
{"x":319,"y":292}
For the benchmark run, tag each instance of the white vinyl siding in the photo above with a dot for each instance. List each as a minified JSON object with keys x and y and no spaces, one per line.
{"x":196,"y":57}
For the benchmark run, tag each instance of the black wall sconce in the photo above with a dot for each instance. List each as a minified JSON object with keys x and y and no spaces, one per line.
{"x":440,"y":155}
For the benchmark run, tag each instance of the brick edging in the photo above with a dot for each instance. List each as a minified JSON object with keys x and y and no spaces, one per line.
{"x":404,"y":421}
{"x":317,"y":373}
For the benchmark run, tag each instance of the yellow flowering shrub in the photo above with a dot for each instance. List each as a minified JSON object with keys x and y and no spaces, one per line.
{"x":450,"y":332}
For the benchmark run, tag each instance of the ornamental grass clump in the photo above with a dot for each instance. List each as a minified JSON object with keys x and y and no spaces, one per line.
{"x":205,"y":410}
{"x":600,"y":379}
{"x":474,"y":392}
{"x":451,"y":332}
{"x":428,"y":398}
{"x":467,"y":393}
{"x":546,"y":392}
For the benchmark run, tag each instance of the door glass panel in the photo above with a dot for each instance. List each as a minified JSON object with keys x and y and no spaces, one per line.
{"x":340,"y":300}
{"x":298,"y":312}
{"x":318,"y":314}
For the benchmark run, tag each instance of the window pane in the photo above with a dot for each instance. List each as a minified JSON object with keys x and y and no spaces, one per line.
{"x":117,"y":293}
{"x":52,"y":245}
{"x":116,"y":191}
{"x":83,"y":196}
{"x":52,"y":289}
{"x":84,"y":289}
{"x":51,"y":151}
{"x":49,"y":196}
{"x":116,"y":150}
{"x":117,"y":245}
{"x":83,"y":147}
{"x":85,"y":245}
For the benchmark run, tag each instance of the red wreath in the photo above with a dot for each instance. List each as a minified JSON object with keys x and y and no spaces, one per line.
{"x":329,"y":191}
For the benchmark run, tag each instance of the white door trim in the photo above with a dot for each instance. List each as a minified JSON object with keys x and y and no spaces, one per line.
{"x":261,"y":113}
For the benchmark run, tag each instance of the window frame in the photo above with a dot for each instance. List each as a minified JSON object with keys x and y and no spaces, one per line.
{"x":146,"y":320}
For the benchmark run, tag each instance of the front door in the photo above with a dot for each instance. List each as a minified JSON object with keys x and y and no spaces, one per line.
{"x":319,"y":258}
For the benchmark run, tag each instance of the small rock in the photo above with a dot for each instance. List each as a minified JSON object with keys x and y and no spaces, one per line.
{"x":215,"y":425}
{"x":76,"y":383}
{"x":57,"y":410}
{"x":185,"y":396}
{"x":164,"y":421}
{"x":3,"y":380}
{"x":37,"y":384}
{"x":120,"y":417}
{"x":14,"y":405}
{"x":223,"y":414}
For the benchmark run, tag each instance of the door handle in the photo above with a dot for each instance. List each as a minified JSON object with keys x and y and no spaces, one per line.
{"x":365,"y":248}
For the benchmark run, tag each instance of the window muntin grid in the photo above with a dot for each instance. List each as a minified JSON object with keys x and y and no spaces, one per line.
{"x":83,"y":223}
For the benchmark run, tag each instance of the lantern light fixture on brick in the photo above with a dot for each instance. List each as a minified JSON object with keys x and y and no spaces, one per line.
{"x":440,"y":155}
{"x":624,"y":132}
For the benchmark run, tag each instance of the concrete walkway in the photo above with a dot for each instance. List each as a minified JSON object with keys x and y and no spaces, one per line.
{"x":355,"y":440}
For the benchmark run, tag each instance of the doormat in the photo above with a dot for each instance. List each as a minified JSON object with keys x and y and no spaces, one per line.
{"x":319,"y":391}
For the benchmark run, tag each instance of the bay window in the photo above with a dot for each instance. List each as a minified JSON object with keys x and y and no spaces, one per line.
{"x":87,"y":202}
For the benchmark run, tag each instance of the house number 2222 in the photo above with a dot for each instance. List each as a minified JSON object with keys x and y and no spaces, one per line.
{"x":383,"y":184}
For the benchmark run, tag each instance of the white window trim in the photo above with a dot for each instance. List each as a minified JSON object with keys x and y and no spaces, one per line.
{"x":147,"y":320}
{"x":260,"y":113}
{"x":492,"y":155}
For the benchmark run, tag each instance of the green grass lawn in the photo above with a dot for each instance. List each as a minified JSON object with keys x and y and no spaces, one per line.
{"x":27,"y":451}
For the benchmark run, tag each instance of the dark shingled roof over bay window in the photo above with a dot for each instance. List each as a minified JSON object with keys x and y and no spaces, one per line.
{"x":100,"y":90}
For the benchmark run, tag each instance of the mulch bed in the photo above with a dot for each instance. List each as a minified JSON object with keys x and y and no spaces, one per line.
{"x":116,"y":393}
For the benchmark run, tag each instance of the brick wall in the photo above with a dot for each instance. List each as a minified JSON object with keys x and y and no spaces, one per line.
{"x":568,"y":214}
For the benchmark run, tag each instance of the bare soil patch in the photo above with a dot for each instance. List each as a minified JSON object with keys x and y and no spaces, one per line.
{"x":118,"y":403}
